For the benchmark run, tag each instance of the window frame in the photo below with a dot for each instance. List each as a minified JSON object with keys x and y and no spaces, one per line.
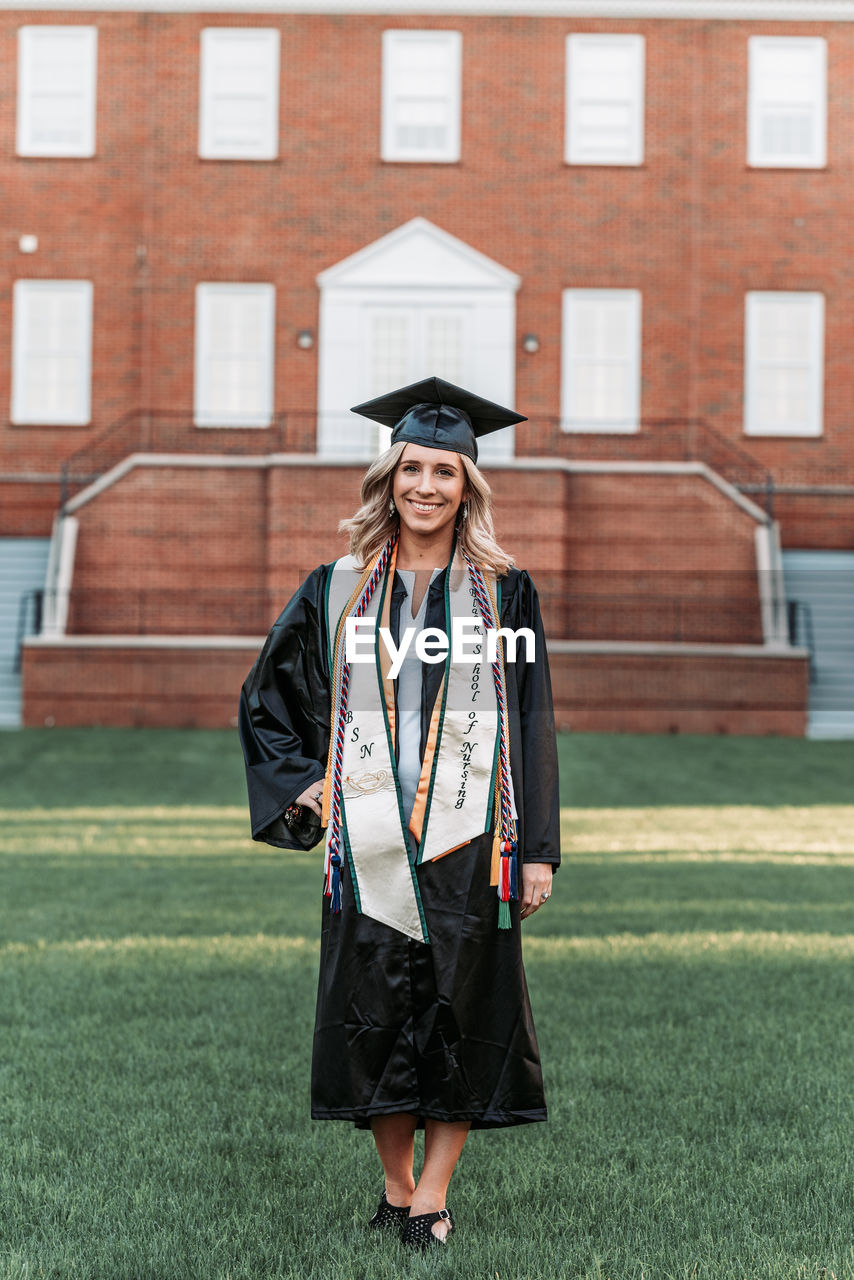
{"x":28,"y":38}
{"x":209,"y":417}
{"x":389,"y":150}
{"x":209,"y":39}
{"x":575,"y":43}
{"x":755,"y":158}
{"x":634,"y":359}
{"x":753,"y":301}
{"x":22,"y":291}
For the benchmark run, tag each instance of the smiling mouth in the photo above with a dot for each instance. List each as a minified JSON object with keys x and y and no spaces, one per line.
{"x":424,"y":507}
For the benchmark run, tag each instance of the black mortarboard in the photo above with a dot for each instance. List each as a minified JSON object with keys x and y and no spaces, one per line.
{"x":439,"y":415}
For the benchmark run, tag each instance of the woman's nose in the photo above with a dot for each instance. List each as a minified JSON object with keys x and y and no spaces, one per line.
{"x":425,"y":483}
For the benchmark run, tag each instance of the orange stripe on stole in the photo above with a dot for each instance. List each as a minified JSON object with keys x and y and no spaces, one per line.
{"x":385,"y":656}
{"x":419,"y":808}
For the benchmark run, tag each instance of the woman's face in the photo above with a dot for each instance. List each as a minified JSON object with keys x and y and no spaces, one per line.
{"x":429,"y":485}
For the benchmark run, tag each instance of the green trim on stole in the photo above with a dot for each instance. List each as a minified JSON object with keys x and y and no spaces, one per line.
{"x":496,"y":755}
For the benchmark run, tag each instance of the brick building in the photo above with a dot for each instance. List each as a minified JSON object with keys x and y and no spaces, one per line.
{"x":226,"y":223}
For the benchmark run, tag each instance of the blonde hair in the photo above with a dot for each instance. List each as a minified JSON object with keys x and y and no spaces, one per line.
{"x":372,"y":525}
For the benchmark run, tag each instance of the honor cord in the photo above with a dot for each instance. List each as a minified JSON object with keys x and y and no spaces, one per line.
{"x":508,"y":867}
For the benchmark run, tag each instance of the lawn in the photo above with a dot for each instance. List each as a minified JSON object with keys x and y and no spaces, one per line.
{"x":692,"y":981}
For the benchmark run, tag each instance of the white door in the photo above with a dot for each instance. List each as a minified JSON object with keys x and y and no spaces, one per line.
{"x":415,"y":303}
{"x":405,"y":344}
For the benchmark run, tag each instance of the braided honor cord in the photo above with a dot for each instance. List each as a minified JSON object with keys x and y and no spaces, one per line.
{"x":333,"y":874}
{"x":508,"y":869}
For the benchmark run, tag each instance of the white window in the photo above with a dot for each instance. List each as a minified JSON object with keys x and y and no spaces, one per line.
{"x":600,"y":381}
{"x":421,"y":95}
{"x":784,"y":364}
{"x":239,"y":98}
{"x":787,"y":102}
{"x":234,"y":355}
{"x":57,"y":72}
{"x":52,"y":352}
{"x":604,"y":99}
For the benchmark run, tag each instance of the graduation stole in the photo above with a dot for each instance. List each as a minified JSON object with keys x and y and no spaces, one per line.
{"x":465,"y":786}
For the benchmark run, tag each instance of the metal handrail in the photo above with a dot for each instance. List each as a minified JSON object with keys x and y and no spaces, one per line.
{"x":796,"y":610}
{"x":657,"y":439}
{"x":36,"y":598}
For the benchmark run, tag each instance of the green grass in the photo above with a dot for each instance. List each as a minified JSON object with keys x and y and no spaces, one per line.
{"x":692,"y":982}
{"x":61,"y":767}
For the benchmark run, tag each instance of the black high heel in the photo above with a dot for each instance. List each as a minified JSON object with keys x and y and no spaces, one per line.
{"x":389,"y":1217}
{"x":418,"y":1232}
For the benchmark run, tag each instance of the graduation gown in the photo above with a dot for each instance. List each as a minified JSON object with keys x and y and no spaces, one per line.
{"x":440,"y":1029}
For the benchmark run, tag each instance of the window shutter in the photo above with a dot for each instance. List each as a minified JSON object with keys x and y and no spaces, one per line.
{"x":239,"y":100}
{"x":784,"y":363}
{"x":601,"y":360}
{"x":57,"y":71}
{"x":234,"y":355}
{"x":52,"y":343}
{"x":605,"y":99}
{"x":421,"y":95}
{"x":787,"y":102}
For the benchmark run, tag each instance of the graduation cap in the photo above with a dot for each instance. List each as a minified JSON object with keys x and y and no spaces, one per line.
{"x":439,"y":415}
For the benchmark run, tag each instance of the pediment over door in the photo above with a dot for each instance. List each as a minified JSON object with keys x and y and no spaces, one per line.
{"x":416,"y":302}
{"x":420,"y":255}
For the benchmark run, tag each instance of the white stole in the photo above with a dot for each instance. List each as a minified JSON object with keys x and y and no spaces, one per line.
{"x":455,"y":793}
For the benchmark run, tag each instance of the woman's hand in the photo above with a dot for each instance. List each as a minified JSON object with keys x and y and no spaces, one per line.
{"x":536,"y":886}
{"x":312,"y":797}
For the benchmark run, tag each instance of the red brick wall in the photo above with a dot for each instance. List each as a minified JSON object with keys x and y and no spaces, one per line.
{"x":824,"y":520}
{"x":131,"y":687}
{"x":659,"y":555}
{"x":199,"y":688}
{"x":168,"y":551}
{"x":27,"y":508}
{"x":693,"y":227}
{"x":680,"y":693}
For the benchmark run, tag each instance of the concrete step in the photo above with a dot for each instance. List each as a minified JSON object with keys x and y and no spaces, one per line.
{"x":824,"y":580}
{"x":830,"y":702}
{"x":831,"y":724}
{"x":23,"y":563}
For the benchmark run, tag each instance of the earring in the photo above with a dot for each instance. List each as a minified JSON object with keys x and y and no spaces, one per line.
{"x":466,"y":510}
{"x":391,"y":508}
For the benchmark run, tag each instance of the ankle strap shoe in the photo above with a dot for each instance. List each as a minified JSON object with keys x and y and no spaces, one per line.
{"x":418,"y":1232}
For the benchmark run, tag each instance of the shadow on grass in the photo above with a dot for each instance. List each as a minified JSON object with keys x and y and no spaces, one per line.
{"x":115,"y":896}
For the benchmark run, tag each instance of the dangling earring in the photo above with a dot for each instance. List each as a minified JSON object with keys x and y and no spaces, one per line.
{"x":392,"y":509}
{"x":466,"y":510}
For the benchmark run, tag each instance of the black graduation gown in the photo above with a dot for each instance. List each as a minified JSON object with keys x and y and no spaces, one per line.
{"x":440,"y":1029}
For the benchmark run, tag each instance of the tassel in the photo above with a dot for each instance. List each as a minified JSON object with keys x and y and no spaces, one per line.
{"x":335,"y":904}
{"x":504,"y":894}
{"x":514,"y":872}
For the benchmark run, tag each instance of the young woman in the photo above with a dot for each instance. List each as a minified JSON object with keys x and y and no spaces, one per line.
{"x":377,"y":710}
